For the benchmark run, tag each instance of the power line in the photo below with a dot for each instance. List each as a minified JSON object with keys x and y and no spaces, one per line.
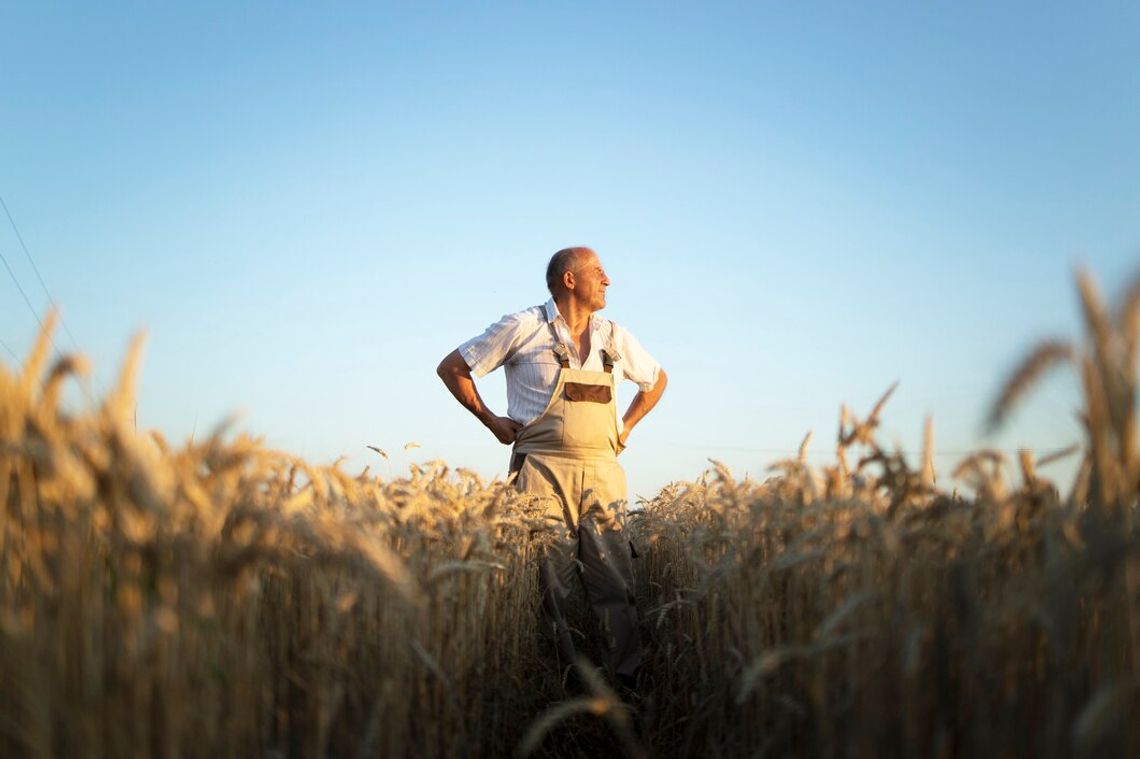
{"x":36,"y":269}
{"x":11,"y":352}
{"x":15,"y":281}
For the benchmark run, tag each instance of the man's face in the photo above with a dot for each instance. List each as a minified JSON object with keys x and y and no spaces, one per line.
{"x":590,"y":283}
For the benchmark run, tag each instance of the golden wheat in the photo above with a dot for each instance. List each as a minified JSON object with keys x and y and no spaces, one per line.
{"x":221,"y":598}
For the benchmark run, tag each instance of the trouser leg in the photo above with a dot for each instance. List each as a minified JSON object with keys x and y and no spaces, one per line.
{"x":607,"y":567}
{"x":557,"y":568}
{"x":558,"y":562}
{"x":607,"y":573}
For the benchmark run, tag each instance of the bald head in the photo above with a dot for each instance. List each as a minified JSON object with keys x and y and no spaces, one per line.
{"x":567,"y":259}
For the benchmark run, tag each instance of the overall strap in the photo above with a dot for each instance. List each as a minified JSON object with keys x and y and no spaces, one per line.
{"x":610,"y":356}
{"x":561,"y":352}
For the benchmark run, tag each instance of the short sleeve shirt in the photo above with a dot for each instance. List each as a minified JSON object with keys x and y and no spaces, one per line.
{"x":522,"y":343}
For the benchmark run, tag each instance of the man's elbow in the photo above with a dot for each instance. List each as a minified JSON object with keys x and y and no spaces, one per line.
{"x":662,"y":381}
{"x":453,"y":364}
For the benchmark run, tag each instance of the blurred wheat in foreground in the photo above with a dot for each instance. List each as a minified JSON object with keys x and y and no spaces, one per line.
{"x":222,"y":599}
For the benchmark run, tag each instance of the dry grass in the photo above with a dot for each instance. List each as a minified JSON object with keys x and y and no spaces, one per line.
{"x":220,"y":598}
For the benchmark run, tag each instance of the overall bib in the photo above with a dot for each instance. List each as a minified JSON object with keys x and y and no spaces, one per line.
{"x":569,"y":454}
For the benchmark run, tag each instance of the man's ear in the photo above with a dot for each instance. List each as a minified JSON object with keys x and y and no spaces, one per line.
{"x":568,"y":280}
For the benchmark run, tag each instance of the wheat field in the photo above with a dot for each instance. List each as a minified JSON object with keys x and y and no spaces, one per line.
{"x":223,"y":599}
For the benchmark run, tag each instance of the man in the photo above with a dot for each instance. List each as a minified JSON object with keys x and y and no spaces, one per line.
{"x":563,"y":363}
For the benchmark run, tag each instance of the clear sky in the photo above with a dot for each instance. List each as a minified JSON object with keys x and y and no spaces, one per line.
{"x":308,"y":206}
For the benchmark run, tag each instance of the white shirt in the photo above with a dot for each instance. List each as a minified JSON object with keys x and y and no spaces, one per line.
{"x":522,"y":342}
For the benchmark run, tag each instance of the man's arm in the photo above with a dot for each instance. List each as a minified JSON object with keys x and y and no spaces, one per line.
{"x":456,"y":375}
{"x":642,"y":404}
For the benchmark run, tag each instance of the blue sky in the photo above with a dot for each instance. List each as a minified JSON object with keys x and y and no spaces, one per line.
{"x":307,"y":206}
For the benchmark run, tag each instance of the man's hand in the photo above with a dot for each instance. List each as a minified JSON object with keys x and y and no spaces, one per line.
{"x":622,"y":438}
{"x":454,"y":372}
{"x":504,"y":428}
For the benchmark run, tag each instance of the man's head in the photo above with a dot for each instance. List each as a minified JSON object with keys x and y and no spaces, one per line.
{"x":577,"y":273}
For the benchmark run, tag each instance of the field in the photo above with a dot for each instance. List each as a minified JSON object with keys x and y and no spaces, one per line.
{"x":222,"y":599}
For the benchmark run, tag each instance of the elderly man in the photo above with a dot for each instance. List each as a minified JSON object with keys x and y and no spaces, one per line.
{"x":563,"y":364}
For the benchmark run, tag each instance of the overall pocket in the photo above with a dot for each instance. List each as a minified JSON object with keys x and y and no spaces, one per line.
{"x":589,"y":420}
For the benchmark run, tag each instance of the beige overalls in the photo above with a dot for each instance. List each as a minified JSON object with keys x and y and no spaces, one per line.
{"x":569,"y":453}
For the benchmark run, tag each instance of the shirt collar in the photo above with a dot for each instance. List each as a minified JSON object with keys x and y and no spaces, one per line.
{"x":553,"y":314}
